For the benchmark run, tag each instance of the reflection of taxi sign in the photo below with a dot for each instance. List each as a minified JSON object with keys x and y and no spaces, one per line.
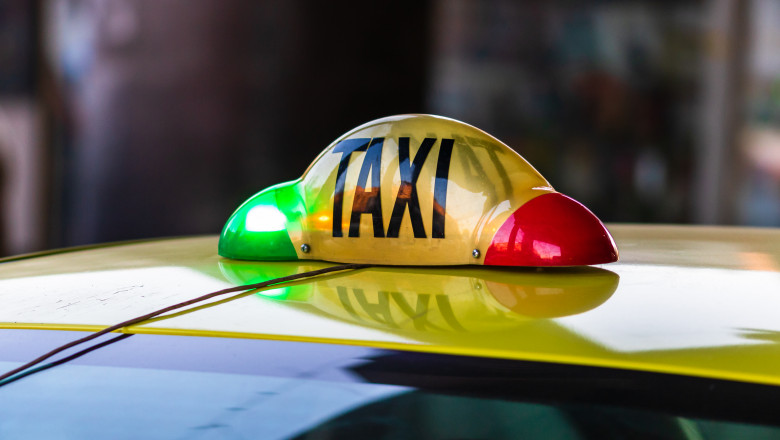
{"x":435,"y":300}
{"x":418,"y":190}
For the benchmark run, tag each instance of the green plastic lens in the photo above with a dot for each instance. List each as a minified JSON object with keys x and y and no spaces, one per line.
{"x":258,"y":228}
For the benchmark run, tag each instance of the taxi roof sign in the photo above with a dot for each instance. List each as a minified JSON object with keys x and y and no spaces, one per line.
{"x":418,"y":190}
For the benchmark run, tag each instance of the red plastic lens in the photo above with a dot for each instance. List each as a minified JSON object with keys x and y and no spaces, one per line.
{"x":551,"y":230}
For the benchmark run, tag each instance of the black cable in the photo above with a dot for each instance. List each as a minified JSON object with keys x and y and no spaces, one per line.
{"x":142,"y":318}
{"x":64,"y":360}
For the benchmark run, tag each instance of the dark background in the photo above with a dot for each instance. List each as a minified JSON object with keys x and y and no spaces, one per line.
{"x":123,"y":119}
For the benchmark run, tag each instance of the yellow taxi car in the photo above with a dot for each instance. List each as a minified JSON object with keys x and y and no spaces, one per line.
{"x":677,"y":340}
{"x":484,"y":339}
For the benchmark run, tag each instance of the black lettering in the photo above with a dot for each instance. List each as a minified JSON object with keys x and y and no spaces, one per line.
{"x":420,"y":316}
{"x":369,"y":202}
{"x":379,"y":312}
{"x":407,"y":192}
{"x":440,"y":188}
{"x":346,"y":148}
{"x":446,"y":312}
{"x":344,"y":298}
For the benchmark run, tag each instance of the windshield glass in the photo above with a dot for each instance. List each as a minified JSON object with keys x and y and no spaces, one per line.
{"x":152,"y":386}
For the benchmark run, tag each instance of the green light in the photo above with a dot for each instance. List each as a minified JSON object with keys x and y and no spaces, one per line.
{"x":264,"y":218}
{"x":258,"y":228}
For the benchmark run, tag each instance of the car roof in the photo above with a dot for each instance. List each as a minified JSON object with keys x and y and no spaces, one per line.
{"x":699,"y":301}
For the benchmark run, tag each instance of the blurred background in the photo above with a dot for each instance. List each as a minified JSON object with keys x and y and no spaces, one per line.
{"x":124,"y":119}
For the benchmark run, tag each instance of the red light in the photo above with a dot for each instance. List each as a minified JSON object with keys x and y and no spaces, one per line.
{"x":551,"y":230}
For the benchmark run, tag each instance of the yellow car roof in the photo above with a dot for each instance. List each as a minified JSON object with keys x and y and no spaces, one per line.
{"x":699,"y":301}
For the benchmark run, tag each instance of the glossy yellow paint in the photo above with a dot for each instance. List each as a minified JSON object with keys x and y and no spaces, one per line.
{"x":419,"y":301}
{"x":487,"y":182}
{"x":684,"y":300}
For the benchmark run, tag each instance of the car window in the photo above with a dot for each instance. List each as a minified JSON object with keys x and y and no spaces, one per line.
{"x":153,"y":386}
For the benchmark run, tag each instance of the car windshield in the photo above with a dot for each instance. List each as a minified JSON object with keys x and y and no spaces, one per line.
{"x":153,"y":386}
